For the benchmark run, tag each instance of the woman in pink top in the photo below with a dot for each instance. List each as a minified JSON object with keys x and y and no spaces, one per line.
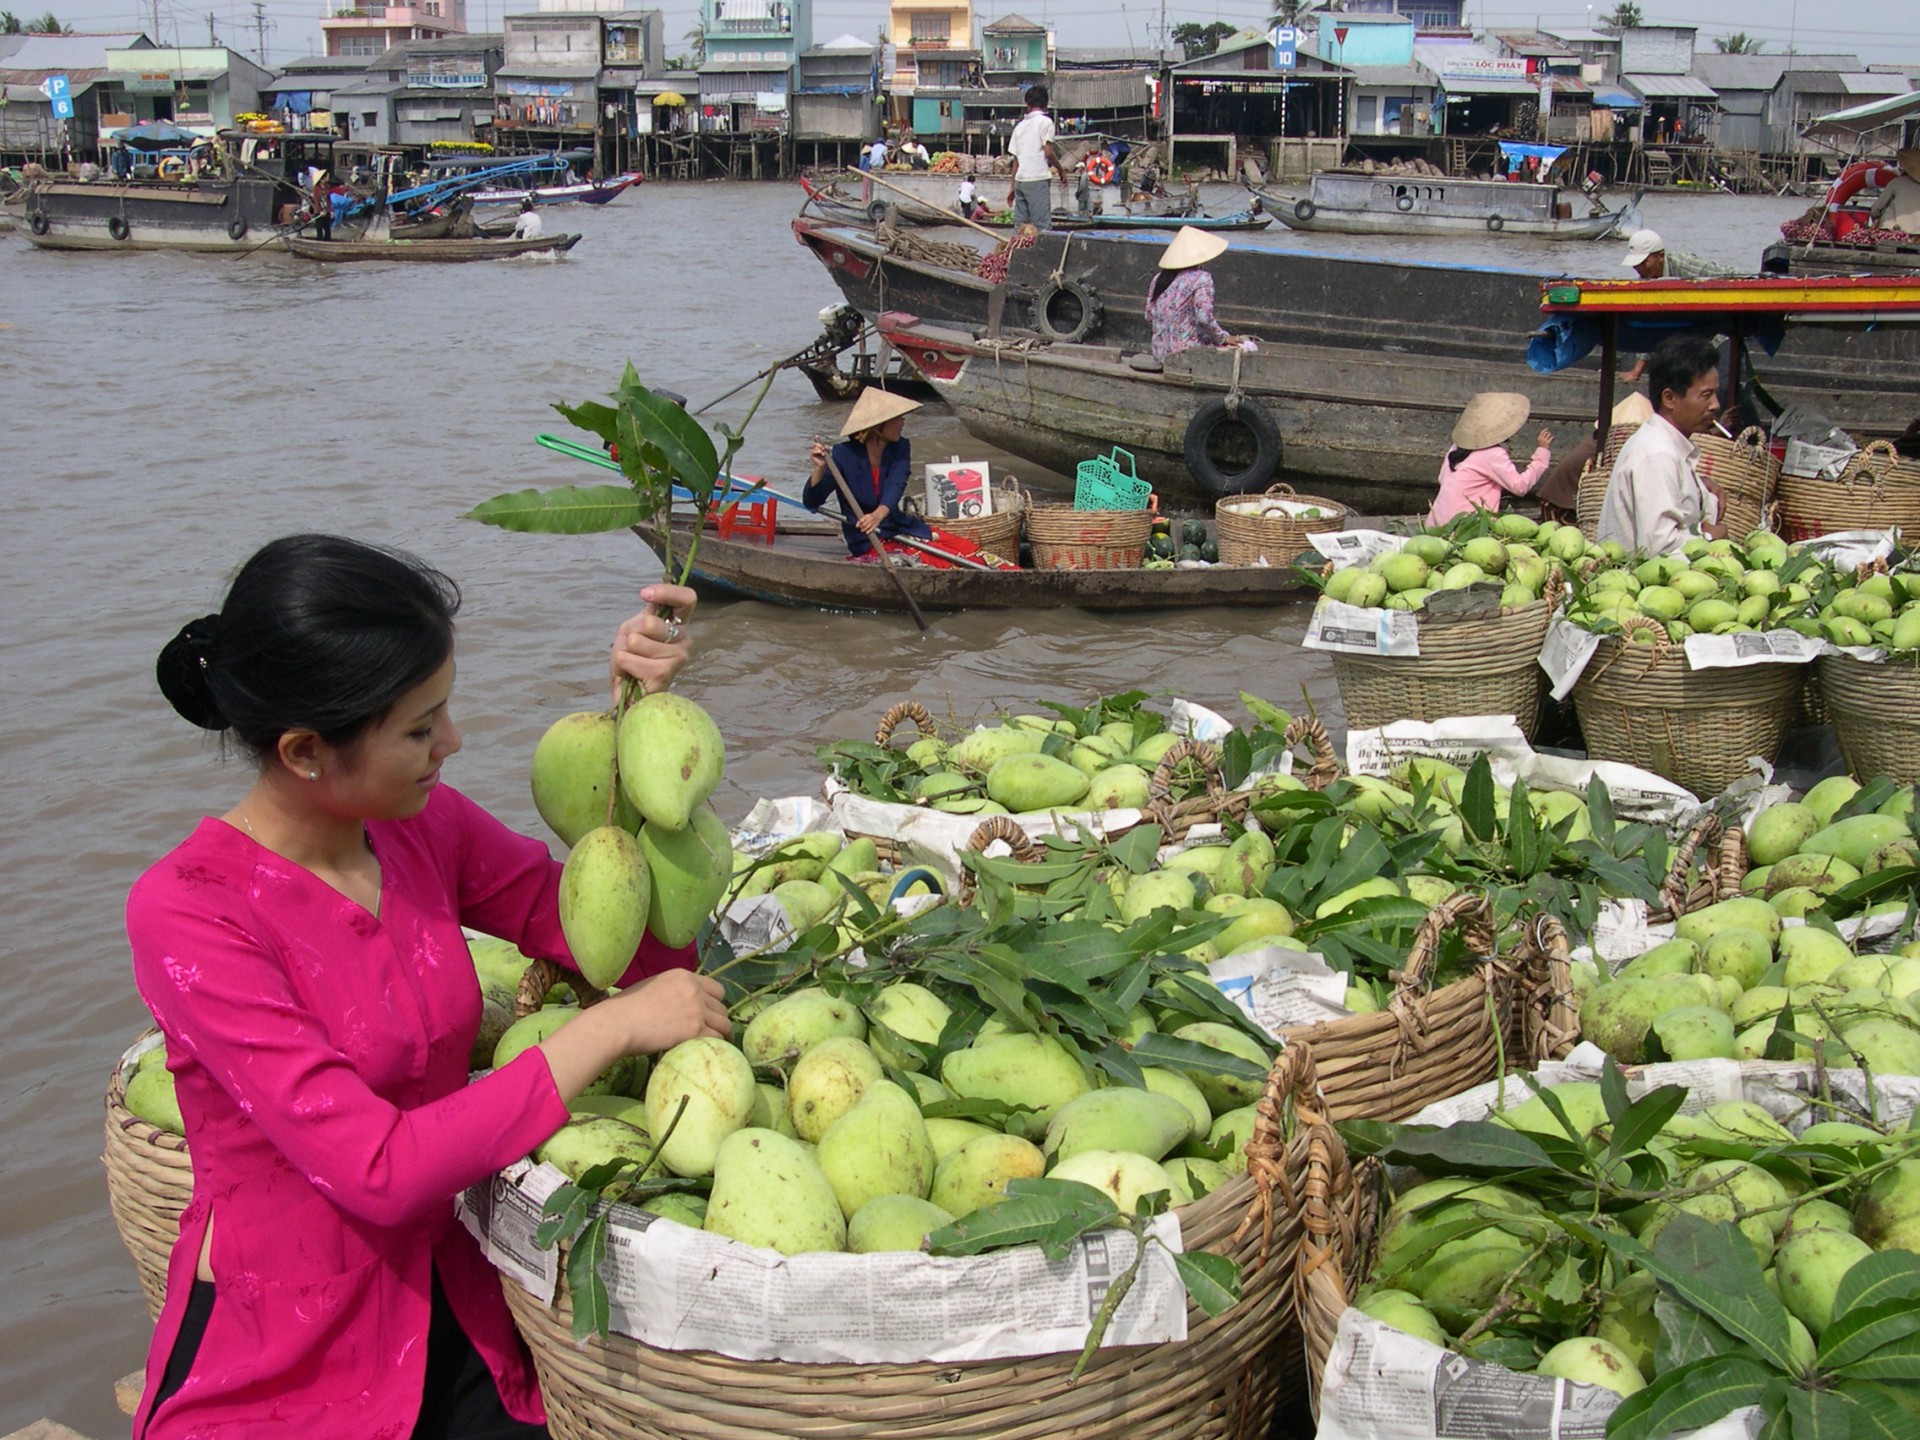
{"x":303,"y":955}
{"x":1478,"y":472}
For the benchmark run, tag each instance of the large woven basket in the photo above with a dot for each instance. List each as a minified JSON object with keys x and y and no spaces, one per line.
{"x":1514,"y":1011}
{"x":1224,"y":1382}
{"x":1247,"y":537}
{"x":1479,"y":665}
{"x":1876,"y":715}
{"x":1591,"y":491}
{"x":1876,"y":491}
{"x":1068,"y":539}
{"x":1745,"y":472}
{"x":1642,"y":704}
{"x":997,"y":532}
{"x":149,"y":1182}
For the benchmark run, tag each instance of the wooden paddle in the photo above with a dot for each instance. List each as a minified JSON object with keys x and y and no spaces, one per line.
{"x":993,"y":235}
{"x":879,"y":547}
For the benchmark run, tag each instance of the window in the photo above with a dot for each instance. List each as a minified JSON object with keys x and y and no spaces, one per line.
{"x":931,"y":29}
{"x":369,"y":119}
{"x":360,"y":45}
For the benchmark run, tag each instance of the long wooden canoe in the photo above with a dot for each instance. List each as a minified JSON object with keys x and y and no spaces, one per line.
{"x":814,"y":571}
{"x":430,"y":251}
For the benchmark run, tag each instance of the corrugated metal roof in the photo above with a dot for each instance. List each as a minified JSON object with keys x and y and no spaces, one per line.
{"x":1402,"y":75}
{"x":1100,"y":89}
{"x":1862,"y":82}
{"x":55,"y":53}
{"x":1669,"y":87}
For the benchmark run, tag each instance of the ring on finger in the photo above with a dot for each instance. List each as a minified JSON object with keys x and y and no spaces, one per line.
{"x":673,"y":630}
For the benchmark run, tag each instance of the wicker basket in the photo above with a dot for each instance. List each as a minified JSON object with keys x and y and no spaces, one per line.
{"x":1643,"y":704}
{"x":1068,"y":539}
{"x":1723,"y":865}
{"x":1479,"y":665}
{"x":149,"y":1182}
{"x":1225,"y":1382}
{"x":1877,"y":490}
{"x":997,"y":533}
{"x":1591,"y":493}
{"x":1246,"y":537}
{"x":1429,"y":1044}
{"x":1876,"y":714}
{"x":1744,"y":471}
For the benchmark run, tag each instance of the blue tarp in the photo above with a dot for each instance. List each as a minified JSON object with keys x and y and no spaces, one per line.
{"x":156,"y":135}
{"x":1545,"y":154}
{"x":1564,"y":340}
{"x":1616,"y":100}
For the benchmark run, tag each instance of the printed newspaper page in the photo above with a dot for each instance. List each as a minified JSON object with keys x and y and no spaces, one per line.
{"x":1564,"y":655}
{"x":1354,"y":547}
{"x":1459,"y":740}
{"x":683,"y":1289}
{"x":1753,"y":647}
{"x":1361,"y":631}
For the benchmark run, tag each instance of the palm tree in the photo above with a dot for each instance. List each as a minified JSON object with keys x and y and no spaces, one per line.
{"x":9,"y":23}
{"x":1624,"y":16}
{"x":1288,"y":12}
{"x":696,"y":39}
{"x":48,"y":24}
{"x":1738,"y":43}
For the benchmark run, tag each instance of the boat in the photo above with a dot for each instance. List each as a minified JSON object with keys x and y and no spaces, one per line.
{"x":585,"y":192}
{"x":430,"y":251}
{"x":1837,"y":236}
{"x":842,"y":378}
{"x":1252,"y":218}
{"x":1352,"y":202}
{"x":1383,"y":353}
{"x":925,"y":197}
{"x":1826,"y":257}
{"x":229,"y":209}
{"x":813,"y":570}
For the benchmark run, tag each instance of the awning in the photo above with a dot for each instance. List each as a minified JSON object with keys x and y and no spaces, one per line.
{"x":1616,"y":100}
{"x":549,"y":72}
{"x":1490,"y":85}
{"x":1844,"y":126}
{"x":1545,"y":154}
{"x":1670,"y":87}
{"x":669,"y":97}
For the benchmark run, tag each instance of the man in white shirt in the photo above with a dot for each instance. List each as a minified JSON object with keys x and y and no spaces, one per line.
{"x":877,"y":154}
{"x":1655,"y":501}
{"x":1036,"y":160}
{"x":528,"y":226}
{"x":1898,"y":207}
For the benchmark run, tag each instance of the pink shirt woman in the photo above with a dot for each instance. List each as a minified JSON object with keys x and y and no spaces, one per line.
{"x":303,"y":955}
{"x":1478,"y":472}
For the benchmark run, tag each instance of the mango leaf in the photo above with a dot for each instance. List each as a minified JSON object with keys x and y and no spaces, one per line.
{"x":1863,"y":1329}
{"x":1476,"y":800}
{"x":1686,"y":1335}
{"x":1687,"y":1398}
{"x":1474,"y":1147}
{"x":1367,"y":1137}
{"x":1600,"y":811}
{"x":1873,"y":1413}
{"x":1236,"y":759}
{"x":1267,"y":715}
{"x":1361,"y":858}
{"x":564,"y":510}
{"x":1212,"y":1281}
{"x":1868,"y":799}
{"x":1712,"y":1267}
{"x":1613,"y":1092}
{"x":1817,"y":1415}
{"x":1776,"y":1422}
{"x":1528,"y":850}
{"x":564,"y":1212}
{"x":1644,"y":1118}
{"x":1894,"y":1360}
{"x":1882,"y":1276}
{"x":1135,"y":851}
{"x":591,"y":1308}
{"x":1172,"y":1053}
{"x":681,"y":438}
{"x":1029,"y":1215}
{"x":1376,"y":912}
{"x":995,"y":1111}
{"x":600,"y":421}
{"x":1116,"y":1060}
{"x":1781,"y":1044}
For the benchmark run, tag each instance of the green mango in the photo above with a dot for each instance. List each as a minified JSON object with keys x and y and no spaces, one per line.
{"x":769,"y":1191}
{"x":770,"y":1110}
{"x":947,"y":1134}
{"x":625,"y":1108}
{"x":579,"y":1145}
{"x":1226,"y":1092}
{"x":827,"y":1082}
{"x":671,"y":758}
{"x":1856,"y":838}
{"x":1588,"y":1360}
{"x":1119,"y":1118}
{"x":909,"y":1012}
{"x":795,"y":1023}
{"x":980,"y":751}
{"x":894,"y":1222}
{"x":690,"y":869}
{"x":717,"y":1085}
{"x":1032,"y":1070}
{"x":605,"y":890}
{"x":529,"y":1030}
{"x":976,"y":1173}
{"x":1026,"y":783}
{"x":1175,"y":1086}
{"x":572,"y":766}
{"x":151,"y":1096}
{"x":1779,"y":831}
{"x":879,"y":1147}
{"x":856,"y":857}
{"x":1121,"y":1175}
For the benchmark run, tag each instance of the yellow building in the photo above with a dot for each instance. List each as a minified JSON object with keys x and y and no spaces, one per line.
{"x":933,"y":43}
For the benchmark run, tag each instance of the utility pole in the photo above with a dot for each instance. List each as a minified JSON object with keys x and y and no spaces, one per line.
{"x":155,"y":9}
{"x":260,"y":27}
{"x":212,"y":39}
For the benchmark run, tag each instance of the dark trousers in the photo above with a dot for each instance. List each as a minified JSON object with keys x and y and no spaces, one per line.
{"x":460,"y":1401}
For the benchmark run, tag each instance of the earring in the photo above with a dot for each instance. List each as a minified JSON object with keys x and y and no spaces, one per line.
{"x":313,"y":774}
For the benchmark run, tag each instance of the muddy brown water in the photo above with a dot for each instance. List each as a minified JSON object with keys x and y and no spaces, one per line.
{"x":164,"y":415}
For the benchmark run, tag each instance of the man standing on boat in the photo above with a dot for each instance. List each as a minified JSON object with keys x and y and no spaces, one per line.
{"x":1036,"y":162}
{"x":1656,"y":501}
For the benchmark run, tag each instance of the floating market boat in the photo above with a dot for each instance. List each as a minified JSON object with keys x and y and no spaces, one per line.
{"x":597,"y":192}
{"x":1827,"y":257}
{"x":813,"y":570}
{"x":430,"y":251}
{"x":1346,"y":202}
{"x":1252,"y":218}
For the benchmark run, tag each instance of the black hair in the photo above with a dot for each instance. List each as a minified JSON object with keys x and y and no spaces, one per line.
{"x":1676,"y":362}
{"x":1457,"y":456}
{"x":1037,"y":97}
{"x":317,"y":632}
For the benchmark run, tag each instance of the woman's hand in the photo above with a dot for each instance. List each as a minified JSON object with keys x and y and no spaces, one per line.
{"x":669,"y":1008}
{"x":818,"y":455}
{"x":652,"y":648}
{"x":870,"y":521}
{"x":1545,"y":439}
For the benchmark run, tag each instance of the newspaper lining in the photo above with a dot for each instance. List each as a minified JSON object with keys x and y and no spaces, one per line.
{"x":1564,"y":655}
{"x":1752,"y":647}
{"x":1277,"y":987}
{"x":1850,"y":549}
{"x":682,"y":1289}
{"x":1358,"y":630}
{"x":1354,"y":547}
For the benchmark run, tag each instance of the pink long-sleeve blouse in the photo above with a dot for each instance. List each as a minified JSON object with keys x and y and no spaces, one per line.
{"x":1482,"y":478}
{"x":320,"y":1054}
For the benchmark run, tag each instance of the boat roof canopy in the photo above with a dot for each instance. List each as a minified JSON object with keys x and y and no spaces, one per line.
{"x":1844,"y":127}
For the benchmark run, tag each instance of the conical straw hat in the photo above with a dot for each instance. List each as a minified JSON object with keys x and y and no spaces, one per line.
{"x":876,"y":407}
{"x":1636,"y":409}
{"x":1909,"y":162}
{"x":1191,"y":247}
{"x":1490,"y":418}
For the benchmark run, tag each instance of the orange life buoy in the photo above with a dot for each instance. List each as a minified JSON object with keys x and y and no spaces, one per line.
{"x":1854,"y":178}
{"x":1100,"y":168}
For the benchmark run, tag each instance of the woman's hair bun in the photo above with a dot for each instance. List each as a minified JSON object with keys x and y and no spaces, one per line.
{"x":182,"y":672}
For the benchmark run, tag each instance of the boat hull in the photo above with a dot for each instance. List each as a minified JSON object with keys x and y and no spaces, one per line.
{"x":809,"y":573}
{"x":560,"y":194}
{"x":1298,"y":214}
{"x":1821,"y":258}
{"x":429,"y":251}
{"x":217,"y":217}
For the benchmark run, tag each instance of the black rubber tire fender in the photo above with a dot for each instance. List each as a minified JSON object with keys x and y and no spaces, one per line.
{"x":1496,"y":223}
{"x":876,"y":211}
{"x":1266,"y":453}
{"x":237,"y":228}
{"x":38,"y":222}
{"x":1305,"y":209}
{"x":1067,"y":311}
{"x":1403,"y":204}
{"x":117,"y":227}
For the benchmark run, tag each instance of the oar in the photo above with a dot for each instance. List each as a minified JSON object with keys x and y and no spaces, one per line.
{"x":777,"y":365}
{"x":993,"y":235}
{"x":879,"y":547}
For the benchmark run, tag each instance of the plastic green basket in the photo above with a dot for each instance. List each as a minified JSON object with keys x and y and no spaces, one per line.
{"x":1109,"y":482}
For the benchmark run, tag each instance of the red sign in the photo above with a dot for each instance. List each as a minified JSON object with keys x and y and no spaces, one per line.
{"x":1340,"y":33}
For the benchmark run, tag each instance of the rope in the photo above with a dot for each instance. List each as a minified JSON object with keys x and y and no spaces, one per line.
{"x":1060,"y":266}
{"x":1234,"y":393}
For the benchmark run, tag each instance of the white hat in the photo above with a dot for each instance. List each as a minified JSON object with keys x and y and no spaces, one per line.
{"x":1636,"y":409}
{"x":876,"y":407}
{"x":1490,"y":418}
{"x":1640,"y":245}
{"x":1191,"y":247}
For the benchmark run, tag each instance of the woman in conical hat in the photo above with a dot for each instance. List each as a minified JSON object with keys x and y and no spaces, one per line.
{"x":876,"y":461}
{"x":1478,"y":471}
{"x":1180,"y":300}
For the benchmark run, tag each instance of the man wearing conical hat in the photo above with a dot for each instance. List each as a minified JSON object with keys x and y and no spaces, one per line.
{"x":876,"y":461}
{"x":1898,"y":207}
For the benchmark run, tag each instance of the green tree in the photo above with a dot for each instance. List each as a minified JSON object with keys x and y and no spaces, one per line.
{"x":9,"y":23}
{"x":1199,"y":39}
{"x":1623,"y":16}
{"x":1738,"y":43}
{"x":1290,"y":12}
{"x":48,"y":24}
{"x":696,"y":39}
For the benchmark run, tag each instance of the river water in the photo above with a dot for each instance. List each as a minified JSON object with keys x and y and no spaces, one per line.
{"x":167,"y":414}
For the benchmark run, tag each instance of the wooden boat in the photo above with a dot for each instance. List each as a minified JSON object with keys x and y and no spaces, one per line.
{"x":443,"y":251}
{"x":844,"y":377}
{"x":1252,"y":218}
{"x":812,"y":570}
{"x":455,"y":224}
{"x":1824,"y":257}
{"x":1352,"y":203}
{"x":1383,"y":353}
{"x":585,"y":193}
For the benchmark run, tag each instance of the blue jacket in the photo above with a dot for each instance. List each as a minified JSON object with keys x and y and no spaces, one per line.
{"x":896,"y":467}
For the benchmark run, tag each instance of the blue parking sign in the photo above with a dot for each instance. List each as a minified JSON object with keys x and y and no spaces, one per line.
{"x":1286,"y":40}
{"x":61,"y":94}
